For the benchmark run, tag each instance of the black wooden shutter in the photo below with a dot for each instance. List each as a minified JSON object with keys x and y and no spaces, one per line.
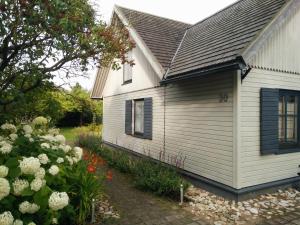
{"x":269,"y":143}
{"x":148,"y":118}
{"x":128,"y":117}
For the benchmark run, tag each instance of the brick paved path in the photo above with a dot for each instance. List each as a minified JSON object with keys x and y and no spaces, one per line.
{"x":140,"y":208}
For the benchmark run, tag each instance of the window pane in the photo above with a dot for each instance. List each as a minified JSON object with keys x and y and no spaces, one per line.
{"x":291,"y":105}
{"x":281,"y":133}
{"x":291,"y":129}
{"x":139,"y":117}
{"x":281,"y":105}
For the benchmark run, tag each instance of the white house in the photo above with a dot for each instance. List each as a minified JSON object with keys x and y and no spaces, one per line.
{"x":218,"y":99}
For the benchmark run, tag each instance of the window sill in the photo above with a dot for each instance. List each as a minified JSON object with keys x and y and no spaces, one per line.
{"x":288,"y":150}
{"x":127,"y":82}
{"x":140,"y":136}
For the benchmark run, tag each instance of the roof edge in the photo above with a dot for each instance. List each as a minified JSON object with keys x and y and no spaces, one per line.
{"x":139,"y":41}
{"x":235,"y":64}
{"x":250,"y":51}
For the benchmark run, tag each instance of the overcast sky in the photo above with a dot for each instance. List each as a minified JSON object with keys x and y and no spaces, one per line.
{"x":189,"y":11}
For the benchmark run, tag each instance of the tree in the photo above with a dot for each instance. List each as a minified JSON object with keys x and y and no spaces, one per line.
{"x":43,"y":38}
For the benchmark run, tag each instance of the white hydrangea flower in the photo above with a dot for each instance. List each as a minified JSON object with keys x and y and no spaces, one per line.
{"x":43,"y":158}
{"x":36,"y":184}
{"x":60,"y":160}
{"x":27,"y":136}
{"x":45,"y":145}
{"x":60,"y":139}
{"x":31,"y":223}
{"x":6,"y":218}
{"x":27,"y":207}
{"x":13,"y":137}
{"x":70,"y":160}
{"x":19,"y":185}
{"x":27,"y":129}
{"x":78,"y":152}
{"x":54,"y":221}
{"x":53,"y":170}
{"x":53,"y":131}
{"x":3,"y":171}
{"x":58,"y":200}
{"x":18,"y":222}
{"x":31,"y":140}
{"x":4,"y":188}
{"x":5,"y":147}
{"x":10,"y":127}
{"x":54,"y":147}
{"x":65,"y":148}
{"x":42,"y":121}
{"x":48,"y":137}
{"x":40,"y":173}
{"x":30,"y":165}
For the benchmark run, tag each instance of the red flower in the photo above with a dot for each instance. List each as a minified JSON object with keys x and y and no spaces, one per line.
{"x":109,"y":175}
{"x":91,"y":169}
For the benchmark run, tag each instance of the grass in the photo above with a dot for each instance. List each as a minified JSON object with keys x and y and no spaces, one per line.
{"x":71,"y":133}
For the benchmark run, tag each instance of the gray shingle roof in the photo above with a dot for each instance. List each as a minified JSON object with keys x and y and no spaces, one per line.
{"x":222,"y":37}
{"x":162,"y":36}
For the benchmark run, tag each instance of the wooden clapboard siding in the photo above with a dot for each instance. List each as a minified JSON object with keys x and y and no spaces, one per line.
{"x":254,"y":168}
{"x":114,"y":122}
{"x":281,"y":50}
{"x":198,"y":127}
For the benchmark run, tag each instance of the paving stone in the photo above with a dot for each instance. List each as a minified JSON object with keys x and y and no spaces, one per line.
{"x":141,"y":208}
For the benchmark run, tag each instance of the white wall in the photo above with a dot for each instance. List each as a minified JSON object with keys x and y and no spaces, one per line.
{"x":114,"y":122}
{"x":200,"y":127}
{"x":143,"y":77}
{"x":282,"y":50}
{"x":198,"y":134}
{"x":254,"y":168}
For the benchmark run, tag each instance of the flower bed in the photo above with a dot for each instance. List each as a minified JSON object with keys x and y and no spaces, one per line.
{"x":42,"y":179}
{"x":147,"y":175}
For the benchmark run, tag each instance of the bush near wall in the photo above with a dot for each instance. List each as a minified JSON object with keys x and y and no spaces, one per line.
{"x":147,"y":175}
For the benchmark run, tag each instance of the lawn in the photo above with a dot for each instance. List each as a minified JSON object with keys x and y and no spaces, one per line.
{"x":71,"y":133}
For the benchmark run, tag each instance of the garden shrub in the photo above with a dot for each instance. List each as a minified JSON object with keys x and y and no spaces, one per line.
{"x":147,"y":174}
{"x":42,"y":180}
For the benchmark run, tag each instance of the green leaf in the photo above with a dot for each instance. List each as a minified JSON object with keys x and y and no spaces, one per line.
{"x":12,"y":162}
{"x":41,"y":197}
{"x":27,"y":192}
{"x":14,"y":172}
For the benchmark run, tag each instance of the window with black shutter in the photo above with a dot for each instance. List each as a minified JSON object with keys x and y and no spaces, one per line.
{"x":138,"y":118}
{"x":279,"y":121}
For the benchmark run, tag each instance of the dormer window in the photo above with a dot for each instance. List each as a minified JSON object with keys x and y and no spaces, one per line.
{"x":127,"y":70}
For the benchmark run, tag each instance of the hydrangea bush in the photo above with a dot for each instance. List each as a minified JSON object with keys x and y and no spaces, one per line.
{"x":37,"y":175}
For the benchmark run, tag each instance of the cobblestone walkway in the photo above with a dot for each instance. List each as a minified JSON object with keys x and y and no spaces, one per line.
{"x":140,"y":208}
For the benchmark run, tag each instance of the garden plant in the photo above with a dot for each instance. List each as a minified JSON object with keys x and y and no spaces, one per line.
{"x":42,"y":179}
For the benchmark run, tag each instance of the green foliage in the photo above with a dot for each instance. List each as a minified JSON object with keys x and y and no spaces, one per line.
{"x":53,"y":104}
{"x":42,"y":38}
{"x":147,"y":174}
{"x":84,"y":187}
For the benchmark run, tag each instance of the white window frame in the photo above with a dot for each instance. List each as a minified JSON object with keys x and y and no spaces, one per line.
{"x":127,"y":70}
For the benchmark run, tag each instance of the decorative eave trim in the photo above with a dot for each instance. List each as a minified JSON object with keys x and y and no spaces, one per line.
{"x":273,"y":70}
{"x":250,"y":52}
{"x":139,"y":41}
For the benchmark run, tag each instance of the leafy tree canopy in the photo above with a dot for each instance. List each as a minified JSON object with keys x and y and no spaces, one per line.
{"x":43,"y":38}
